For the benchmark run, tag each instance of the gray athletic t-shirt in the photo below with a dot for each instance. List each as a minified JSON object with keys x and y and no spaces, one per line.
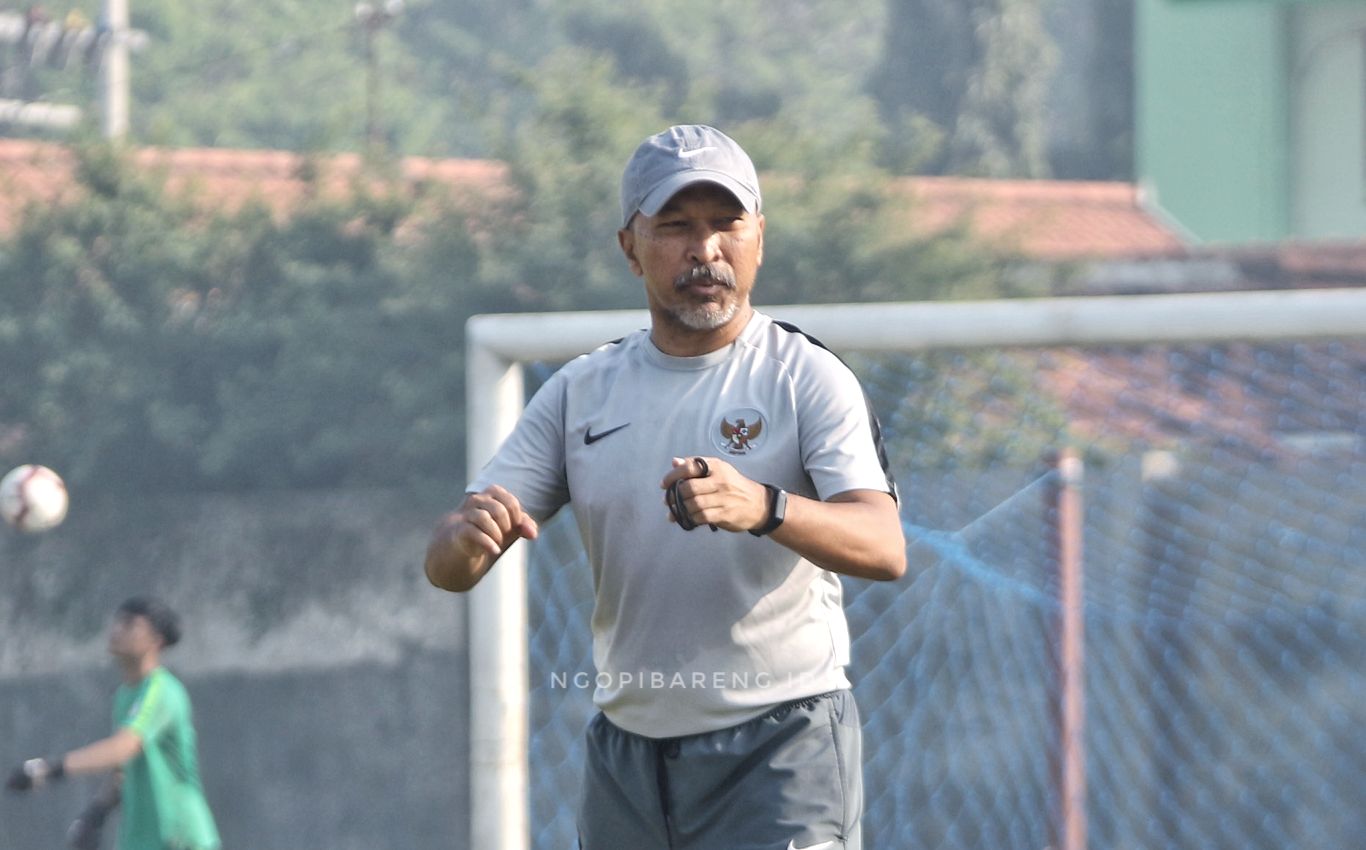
{"x":695,"y":631}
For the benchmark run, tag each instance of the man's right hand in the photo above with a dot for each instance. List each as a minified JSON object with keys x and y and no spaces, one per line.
{"x":33,"y":773}
{"x":468,"y":541}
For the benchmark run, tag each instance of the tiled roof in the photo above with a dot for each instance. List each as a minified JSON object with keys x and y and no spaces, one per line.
{"x":1044,"y":220}
{"x":1254,"y":399}
{"x":1299,"y":264}
{"x":37,"y":172}
{"x":29,"y":173}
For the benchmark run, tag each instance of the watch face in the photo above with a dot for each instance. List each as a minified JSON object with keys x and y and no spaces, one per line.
{"x":779,"y":509}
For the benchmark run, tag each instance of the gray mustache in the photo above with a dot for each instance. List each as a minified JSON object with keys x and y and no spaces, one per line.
{"x":715,"y":272}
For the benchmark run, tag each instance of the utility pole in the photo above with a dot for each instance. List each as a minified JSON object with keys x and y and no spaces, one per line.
{"x":114,"y":81}
{"x":41,"y":41}
{"x":38,"y":40}
{"x":1069,"y":771}
{"x":372,"y":18}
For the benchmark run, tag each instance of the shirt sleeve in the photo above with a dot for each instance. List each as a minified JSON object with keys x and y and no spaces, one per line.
{"x":153,"y":712}
{"x":841,"y":439}
{"x":530,"y":463}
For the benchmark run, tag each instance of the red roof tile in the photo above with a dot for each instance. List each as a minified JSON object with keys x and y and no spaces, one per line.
{"x":1045,"y":219}
{"x":1297,"y":263}
{"x":1261,"y":399}
{"x":30,"y":173}
{"x":38,"y":172}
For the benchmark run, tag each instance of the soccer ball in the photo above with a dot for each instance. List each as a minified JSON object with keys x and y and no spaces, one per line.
{"x":32,"y":498}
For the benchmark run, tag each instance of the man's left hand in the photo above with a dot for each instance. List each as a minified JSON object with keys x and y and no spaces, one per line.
{"x":713,"y":492}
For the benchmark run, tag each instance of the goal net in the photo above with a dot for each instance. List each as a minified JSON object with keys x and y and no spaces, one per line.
{"x":1220,"y":610}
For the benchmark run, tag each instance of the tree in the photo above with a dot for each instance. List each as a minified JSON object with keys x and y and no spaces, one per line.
{"x":149,"y":343}
{"x":963,"y":87}
{"x":554,"y":246}
{"x":292,"y":74}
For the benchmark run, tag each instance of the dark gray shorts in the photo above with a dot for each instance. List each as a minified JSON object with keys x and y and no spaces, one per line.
{"x":791,"y":778}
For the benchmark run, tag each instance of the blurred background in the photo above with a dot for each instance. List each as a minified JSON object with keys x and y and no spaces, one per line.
{"x":239,"y":241}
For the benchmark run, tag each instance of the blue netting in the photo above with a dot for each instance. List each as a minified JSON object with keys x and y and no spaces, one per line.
{"x":1225,"y":604}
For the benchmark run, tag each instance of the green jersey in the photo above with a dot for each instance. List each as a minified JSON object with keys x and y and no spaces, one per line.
{"x":163,"y":801}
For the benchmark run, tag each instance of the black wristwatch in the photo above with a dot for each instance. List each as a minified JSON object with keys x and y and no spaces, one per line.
{"x":777,"y":511}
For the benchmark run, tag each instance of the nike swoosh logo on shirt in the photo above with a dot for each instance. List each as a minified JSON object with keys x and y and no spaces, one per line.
{"x":589,"y":438}
{"x":824,"y":845}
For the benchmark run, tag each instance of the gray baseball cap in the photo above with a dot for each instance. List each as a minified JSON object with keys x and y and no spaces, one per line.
{"x":681,"y":156}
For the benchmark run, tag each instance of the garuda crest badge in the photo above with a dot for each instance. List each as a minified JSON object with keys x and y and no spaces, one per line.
{"x":741,"y":431}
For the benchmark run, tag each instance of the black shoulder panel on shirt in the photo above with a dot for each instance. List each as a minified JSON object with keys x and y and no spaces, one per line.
{"x":791,"y":328}
{"x":873,"y":422}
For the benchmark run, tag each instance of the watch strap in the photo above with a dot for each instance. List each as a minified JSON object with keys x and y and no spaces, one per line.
{"x":777,"y":511}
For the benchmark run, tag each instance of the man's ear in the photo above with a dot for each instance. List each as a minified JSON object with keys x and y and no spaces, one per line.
{"x":626,"y":238}
{"x":760,"y":258}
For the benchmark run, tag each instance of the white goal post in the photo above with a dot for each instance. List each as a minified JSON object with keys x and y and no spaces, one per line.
{"x":498,"y":345}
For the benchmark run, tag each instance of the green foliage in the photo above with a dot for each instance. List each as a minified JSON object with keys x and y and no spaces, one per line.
{"x":847,"y":237}
{"x":973,"y":409}
{"x":964,"y":85}
{"x":556,"y":248}
{"x":149,"y":344}
{"x":295,"y":74}
{"x":960,"y":86}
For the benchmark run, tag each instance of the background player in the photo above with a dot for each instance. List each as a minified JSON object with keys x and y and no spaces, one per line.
{"x":152,"y":753}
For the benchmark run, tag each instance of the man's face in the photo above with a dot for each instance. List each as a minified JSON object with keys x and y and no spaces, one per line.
{"x":698,"y":256}
{"x":131,"y":636}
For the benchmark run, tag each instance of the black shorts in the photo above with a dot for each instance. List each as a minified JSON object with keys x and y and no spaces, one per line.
{"x":791,"y":778}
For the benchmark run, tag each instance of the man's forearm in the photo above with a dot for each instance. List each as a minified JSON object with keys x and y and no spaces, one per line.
{"x":857,"y":535}
{"x":105,"y":754}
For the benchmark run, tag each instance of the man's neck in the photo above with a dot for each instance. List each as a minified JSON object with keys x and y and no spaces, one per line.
{"x":136,"y":669}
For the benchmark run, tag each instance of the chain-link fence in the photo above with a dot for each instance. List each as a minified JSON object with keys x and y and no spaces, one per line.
{"x":1224,"y":603}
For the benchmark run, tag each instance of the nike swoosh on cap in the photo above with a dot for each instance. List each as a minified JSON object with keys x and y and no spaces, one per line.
{"x":695,"y":152}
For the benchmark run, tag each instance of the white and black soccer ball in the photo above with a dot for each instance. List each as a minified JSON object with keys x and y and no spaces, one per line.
{"x":33,"y":498}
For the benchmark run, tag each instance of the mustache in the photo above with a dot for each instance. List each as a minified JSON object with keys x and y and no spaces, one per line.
{"x":715,"y":272}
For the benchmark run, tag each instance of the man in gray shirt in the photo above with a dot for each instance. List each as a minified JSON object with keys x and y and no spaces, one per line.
{"x":724,"y":468}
